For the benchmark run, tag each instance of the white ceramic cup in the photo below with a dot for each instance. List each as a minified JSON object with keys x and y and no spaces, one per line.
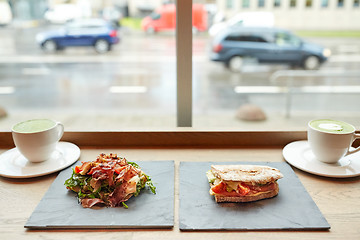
{"x":36,"y":139}
{"x":329,"y":144}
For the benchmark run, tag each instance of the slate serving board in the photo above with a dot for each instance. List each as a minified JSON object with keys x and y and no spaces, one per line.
{"x":59,"y":207}
{"x":291,"y":209}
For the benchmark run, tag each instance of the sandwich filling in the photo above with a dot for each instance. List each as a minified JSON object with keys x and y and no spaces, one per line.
{"x":242,"y":180}
{"x":238,"y":189}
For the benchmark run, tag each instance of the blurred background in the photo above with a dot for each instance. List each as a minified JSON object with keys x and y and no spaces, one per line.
{"x":111,"y":65}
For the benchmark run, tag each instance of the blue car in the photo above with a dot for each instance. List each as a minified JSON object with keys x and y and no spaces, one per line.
{"x":82,"y":32}
{"x":266,"y":45}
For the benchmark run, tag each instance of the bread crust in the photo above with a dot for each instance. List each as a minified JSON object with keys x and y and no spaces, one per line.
{"x":246,"y":173}
{"x":265,"y":195}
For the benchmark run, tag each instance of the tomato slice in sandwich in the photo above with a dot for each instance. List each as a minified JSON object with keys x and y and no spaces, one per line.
{"x":220,"y":188}
{"x":243,"y":189}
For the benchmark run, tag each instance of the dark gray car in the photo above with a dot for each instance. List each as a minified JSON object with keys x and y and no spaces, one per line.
{"x":266,"y":45}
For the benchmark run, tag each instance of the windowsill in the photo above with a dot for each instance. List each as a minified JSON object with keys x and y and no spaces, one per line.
{"x":176,"y":138}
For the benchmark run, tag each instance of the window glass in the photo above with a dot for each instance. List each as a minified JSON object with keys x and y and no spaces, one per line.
{"x":229,"y":4}
{"x":292,"y":3}
{"x":282,"y":39}
{"x":245,"y":38}
{"x":340,"y":3}
{"x":277,"y":3}
{"x":245,"y":3}
{"x":93,"y":65}
{"x":261,"y":3}
{"x":324,"y":3}
{"x":155,"y":16}
{"x":284,"y":79}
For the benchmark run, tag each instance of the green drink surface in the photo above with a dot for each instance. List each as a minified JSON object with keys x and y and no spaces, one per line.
{"x":332,"y":126}
{"x":32,"y":126}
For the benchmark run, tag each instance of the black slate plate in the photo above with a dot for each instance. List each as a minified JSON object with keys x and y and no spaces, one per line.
{"x":59,"y":207}
{"x":291,"y":209}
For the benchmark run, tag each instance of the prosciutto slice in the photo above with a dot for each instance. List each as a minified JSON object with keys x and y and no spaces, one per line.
{"x":90,"y":202}
{"x":126,"y":189}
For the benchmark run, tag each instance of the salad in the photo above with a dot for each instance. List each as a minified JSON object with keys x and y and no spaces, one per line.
{"x":109,"y":180}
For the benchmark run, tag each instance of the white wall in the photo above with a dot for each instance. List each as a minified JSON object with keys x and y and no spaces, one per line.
{"x":301,"y":17}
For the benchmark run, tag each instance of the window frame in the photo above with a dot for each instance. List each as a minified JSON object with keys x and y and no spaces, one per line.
{"x":184,"y":63}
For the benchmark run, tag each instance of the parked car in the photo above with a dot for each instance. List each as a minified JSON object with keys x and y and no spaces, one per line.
{"x":82,"y":32}
{"x":266,"y":45}
{"x":245,"y":19}
{"x":61,"y":13}
{"x":6,"y":15}
{"x":164,"y":19}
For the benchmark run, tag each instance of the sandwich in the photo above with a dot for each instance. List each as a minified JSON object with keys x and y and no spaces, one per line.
{"x":243,"y":183}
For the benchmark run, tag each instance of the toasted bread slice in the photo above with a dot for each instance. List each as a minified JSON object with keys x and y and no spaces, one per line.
{"x":246,"y":173}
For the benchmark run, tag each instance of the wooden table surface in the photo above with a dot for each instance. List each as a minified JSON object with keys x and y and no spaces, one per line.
{"x":337,"y":199}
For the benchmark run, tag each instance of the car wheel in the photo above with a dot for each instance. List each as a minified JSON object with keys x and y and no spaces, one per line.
{"x":49,"y":46}
{"x":150,"y":30}
{"x":102,"y":46}
{"x":311,"y":63}
{"x":235,"y":63}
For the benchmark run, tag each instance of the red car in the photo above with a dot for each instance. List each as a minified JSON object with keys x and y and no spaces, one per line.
{"x":164,"y":19}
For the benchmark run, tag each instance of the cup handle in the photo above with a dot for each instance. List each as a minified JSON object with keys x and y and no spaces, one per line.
{"x":60,"y":128}
{"x":356,"y":136}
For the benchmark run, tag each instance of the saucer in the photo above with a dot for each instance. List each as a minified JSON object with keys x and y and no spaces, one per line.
{"x":14,"y":165}
{"x":300,"y":156}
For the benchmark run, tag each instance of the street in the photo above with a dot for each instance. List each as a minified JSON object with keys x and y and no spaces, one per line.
{"x":139,"y":75}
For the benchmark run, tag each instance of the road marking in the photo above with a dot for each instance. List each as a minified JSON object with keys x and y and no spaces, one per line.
{"x":86,"y":59}
{"x":348,"y":48}
{"x":344,"y":58}
{"x":128,"y":89}
{"x":304,"y":89}
{"x":7,"y":90}
{"x":35,"y":71}
{"x":130,"y":59}
{"x":329,"y":89}
{"x":259,"y":89}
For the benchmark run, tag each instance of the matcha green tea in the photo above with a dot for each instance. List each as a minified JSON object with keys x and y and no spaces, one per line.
{"x":332,"y":126}
{"x":31,"y":126}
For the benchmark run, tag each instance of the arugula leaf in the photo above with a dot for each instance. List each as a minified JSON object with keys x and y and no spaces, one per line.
{"x":150,"y":184}
{"x":82,"y":195}
{"x":139,"y":186}
{"x":76,"y":180}
{"x":134,"y":164}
